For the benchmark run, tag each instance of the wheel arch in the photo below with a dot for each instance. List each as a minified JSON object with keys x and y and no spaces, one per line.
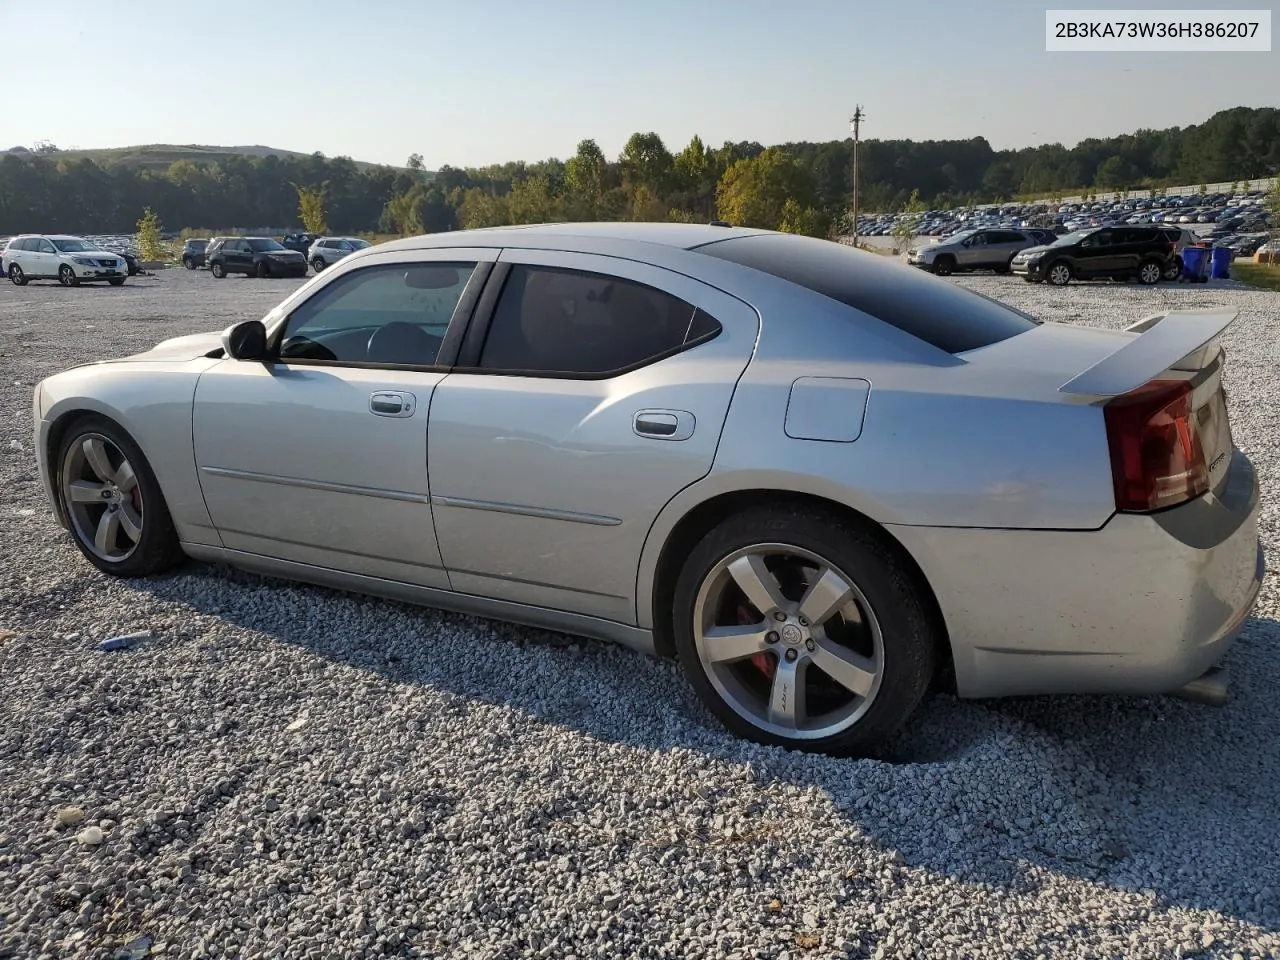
{"x":657,"y":579}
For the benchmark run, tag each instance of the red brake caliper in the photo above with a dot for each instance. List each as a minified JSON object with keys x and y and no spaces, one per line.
{"x":762,"y":661}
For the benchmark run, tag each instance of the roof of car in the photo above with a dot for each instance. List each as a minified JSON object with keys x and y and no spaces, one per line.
{"x":684,"y":236}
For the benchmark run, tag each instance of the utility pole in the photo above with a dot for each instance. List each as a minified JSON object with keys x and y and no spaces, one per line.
{"x":854,"y":122}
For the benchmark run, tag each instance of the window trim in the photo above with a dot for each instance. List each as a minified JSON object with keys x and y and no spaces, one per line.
{"x":459,"y":321}
{"x":468,"y":361}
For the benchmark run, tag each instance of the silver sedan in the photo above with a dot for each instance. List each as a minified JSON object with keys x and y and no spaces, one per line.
{"x":823,"y":480}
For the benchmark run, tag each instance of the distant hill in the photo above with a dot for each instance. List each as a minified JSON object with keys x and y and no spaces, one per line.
{"x":158,"y":156}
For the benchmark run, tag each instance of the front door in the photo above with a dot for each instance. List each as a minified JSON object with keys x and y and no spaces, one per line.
{"x":971,"y":252}
{"x":321,"y":456}
{"x":598,"y":395}
{"x":1101,"y":255}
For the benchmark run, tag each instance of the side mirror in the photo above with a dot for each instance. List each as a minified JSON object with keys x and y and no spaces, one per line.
{"x":246,"y":340}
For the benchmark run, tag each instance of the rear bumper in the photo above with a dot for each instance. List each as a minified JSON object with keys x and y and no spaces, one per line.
{"x":1144,"y":605}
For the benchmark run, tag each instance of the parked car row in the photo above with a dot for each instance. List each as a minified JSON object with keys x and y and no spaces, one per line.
{"x":1241,"y":213}
{"x":266,"y":256}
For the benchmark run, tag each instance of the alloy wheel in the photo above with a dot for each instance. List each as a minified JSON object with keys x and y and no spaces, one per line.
{"x":103,"y":498}
{"x":1150,"y":273}
{"x":788,"y":641}
{"x":1059,"y":274}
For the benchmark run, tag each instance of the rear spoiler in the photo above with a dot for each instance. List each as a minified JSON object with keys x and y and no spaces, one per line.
{"x":1162,"y":340}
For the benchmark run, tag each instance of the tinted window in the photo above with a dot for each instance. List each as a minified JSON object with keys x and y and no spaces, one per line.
{"x":588,"y":324}
{"x":394,"y":313}
{"x":261,"y":245}
{"x":933,"y":310}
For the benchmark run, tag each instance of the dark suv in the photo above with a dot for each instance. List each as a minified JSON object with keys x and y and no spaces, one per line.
{"x":254,"y":256}
{"x":1118,"y":252}
{"x":193,"y":252}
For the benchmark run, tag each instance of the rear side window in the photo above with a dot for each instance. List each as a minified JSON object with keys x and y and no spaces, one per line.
{"x":578,"y":324}
{"x":936,"y":311}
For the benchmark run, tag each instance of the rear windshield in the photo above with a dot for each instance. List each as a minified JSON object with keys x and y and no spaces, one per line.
{"x":936,"y":311}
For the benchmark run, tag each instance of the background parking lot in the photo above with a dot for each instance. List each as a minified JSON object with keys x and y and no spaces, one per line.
{"x":283,"y":770}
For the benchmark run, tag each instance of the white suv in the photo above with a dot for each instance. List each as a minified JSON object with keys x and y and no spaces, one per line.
{"x":69,"y":260}
{"x":327,"y":251}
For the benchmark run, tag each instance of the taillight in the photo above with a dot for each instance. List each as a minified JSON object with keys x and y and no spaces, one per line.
{"x":1156,"y":457}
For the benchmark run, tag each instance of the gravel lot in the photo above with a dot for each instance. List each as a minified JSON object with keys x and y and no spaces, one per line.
{"x":285,"y":771}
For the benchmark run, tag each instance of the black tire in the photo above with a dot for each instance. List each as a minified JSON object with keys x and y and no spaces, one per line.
{"x":188,"y":263}
{"x":117,"y":282}
{"x":217,"y":269}
{"x":1059,"y":273}
{"x":67,"y":277}
{"x":1150,"y":272}
{"x":262,"y":271}
{"x":158,"y":548}
{"x":1028,"y":279}
{"x":317,"y":264}
{"x":1173,"y":269}
{"x":16,"y":276}
{"x":1004,"y":268}
{"x":909,"y":637}
{"x":944,"y":265}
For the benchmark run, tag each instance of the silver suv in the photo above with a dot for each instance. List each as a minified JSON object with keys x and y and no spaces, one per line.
{"x":988,"y":248}
{"x":327,"y":251}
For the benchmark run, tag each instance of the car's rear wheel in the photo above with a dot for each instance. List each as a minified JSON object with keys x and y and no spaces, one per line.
{"x":317,"y":264}
{"x":1150,"y":272}
{"x":1059,"y":274}
{"x":67,"y":277}
{"x":112,"y":501}
{"x":944,"y":265}
{"x":16,"y":276}
{"x":801,"y":630}
{"x":1003,"y":268}
{"x":218,"y":270}
{"x":117,"y":282}
{"x":188,"y":263}
{"x":1173,"y":269}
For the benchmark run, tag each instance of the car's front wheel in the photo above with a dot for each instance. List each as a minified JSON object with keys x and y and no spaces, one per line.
{"x":944,"y":265}
{"x":1059,"y":274}
{"x":799,"y":629}
{"x":262,"y":271}
{"x":67,"y":277}
{"x":116,"y":281}
{"x":188,"y":263}
{"x":16,"y":276}
{"x":1173,"y":269}
{"x":112,"y":501}
{"x":218,"y":270}
{"x":317,"y":264}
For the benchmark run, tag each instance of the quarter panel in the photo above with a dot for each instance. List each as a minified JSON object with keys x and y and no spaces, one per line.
{"x":153,"y":402}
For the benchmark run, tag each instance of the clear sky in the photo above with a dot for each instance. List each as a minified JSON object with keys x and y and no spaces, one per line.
{"x":469,"y":83}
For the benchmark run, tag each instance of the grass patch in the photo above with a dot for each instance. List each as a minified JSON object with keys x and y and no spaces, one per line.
{"x":1264,"y":276}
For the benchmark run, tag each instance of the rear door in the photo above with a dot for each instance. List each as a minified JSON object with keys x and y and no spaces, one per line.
{"x":591,"y":393}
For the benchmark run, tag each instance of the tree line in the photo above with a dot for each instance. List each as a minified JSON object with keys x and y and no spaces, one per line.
{"x":799,"y":187}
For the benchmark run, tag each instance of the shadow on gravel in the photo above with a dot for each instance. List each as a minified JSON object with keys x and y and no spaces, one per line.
{"x":1172,"y":802}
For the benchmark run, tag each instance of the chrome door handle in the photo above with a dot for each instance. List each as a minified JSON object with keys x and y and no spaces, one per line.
{"x":663,"y":424}
{"x":392,"y":403}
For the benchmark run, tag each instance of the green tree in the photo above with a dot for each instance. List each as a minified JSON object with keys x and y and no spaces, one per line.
{"x":807,"y":221}
{"x":753,"y":192}
{"x":904,"y":228}
{"x":150,"y":244}
{"x":585,"y":178}
{"x":646,"y":162}
{"x":414,"y":162}
{"x":311,"y":208}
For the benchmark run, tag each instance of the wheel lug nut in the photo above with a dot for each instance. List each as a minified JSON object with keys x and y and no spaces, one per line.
{"x":790,"y":654}
{"x":779,"y":615}
{"x":803,"y":622}
{"x":810,"y":645}
{"x":771,"y":637}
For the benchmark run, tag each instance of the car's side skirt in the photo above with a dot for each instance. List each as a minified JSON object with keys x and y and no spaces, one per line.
{"x":544,"y":618}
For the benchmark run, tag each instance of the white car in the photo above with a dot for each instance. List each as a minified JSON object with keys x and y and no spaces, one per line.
{"x":69,"y":260}
{"x":327,"y":251}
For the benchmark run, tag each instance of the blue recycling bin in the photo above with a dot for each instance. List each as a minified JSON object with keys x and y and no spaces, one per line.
{"x":1195,"y":264}
{"x":1221,"y":260}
